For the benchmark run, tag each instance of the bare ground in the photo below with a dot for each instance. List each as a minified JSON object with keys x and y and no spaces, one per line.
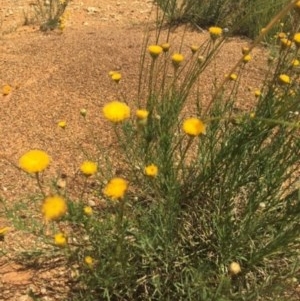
{"x":53,"y":76}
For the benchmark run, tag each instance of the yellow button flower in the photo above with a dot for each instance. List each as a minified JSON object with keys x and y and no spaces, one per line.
{"x":88,"y":210}
{"x":245,"y":50}
{"x":155,"y":50}
{"x":297,"y":39}
{"x":116,"y":111}
{"x":62,"y":124}
{"x":116,"y":77}
{"x":247,"y":58}
{"x":257,"y":93}
{"x":165,"y":47}
{"x":215,"y":32}
{"x":285,"y":43}
{"x":234,"y":268}
{"x":34,"y":161}
{"x":88,"y":168}
{"x":177,"y":58}
{"x":54,"y":207}
{"x":233,"y":76}
{"x":115,"y":188}
{"x":60,"y":240}
{"x":142,"y":114}
{"x":194,"y":48}
{"x":3,"y":231}
{"x":284,"y":79}
{"x":89,"y":261}
{"x":6,"y":89}
{"x":151,"y":170}
{"x":194,"y":127}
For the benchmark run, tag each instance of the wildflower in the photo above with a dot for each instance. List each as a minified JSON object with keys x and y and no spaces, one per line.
{"x":34,"y":161}
{"x":285,"y":43}
{"x":215,"y":32}
{"x":62,"y":124}
{"x":3,"y":231}
{"x":252,"y":115}
{"x":284,"y":79}
{"x":234,"y":268}
{"x":83,"y":112}
{"x":151,"y":170}
{"x":165,"y":47}
{"x":194,"y":48}
{"x":88,"y":210}
{"x":116,"y":77}
{"x":115,"y":188}
{"x":142,"y":114}
{"x":281,"y":35}
{"x":257,"y":93}
{"x":245,"y":50}
{"x":155,"y":50}
{"x":297,"y":39}
{"x":177,"y":58}
{"x":54,"y":207}
{"x":116,"y":111}
{"x":295,"y":63}
{"x":6,"y":89}
{"x":88,"y":168}
{"x":233,"y":76}
{"x":247,"y":58}
{"x":200,"y":59}
{"x":194,"y":127}
{"x":60,"y":240}
{"x":89,"y":261}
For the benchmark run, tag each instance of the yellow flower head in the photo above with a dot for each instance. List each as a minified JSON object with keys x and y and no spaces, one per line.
{"x":257,"y":93}
{"x":142,"y":114}
{"x":233,"y":76}
{"x":194,"y":48}
{"x":194,"y":127}
{"x":116,"y":77}
{"x":89,"y":261}
{"x":297,"y":39}
{"x":247,"y":58}
{"x":155,"y":50}
{"x":6,"y":89}
{"x":285,"y":43}
{"x":151,"y":170}
{"x":60,"y":240}
{"x":34,"y":161}
{"x":88,"y":210}
{"x":88,"y":168}
{"x":295,"y":63}
{"x":116,"y":111}
{"x":177,"y":58}
{"x":215,"y":32}
{"x":62,"y":124}
{"x":165,"y":47}
{"x":245,"y":50}
{"x":3,"y":231}
{"x":115,"y":188}
{"x":54,"y":207}
{"x":252,"y":115}
{"x":234,"y":268}
{"x":83,"y":112}
{"x":281,"y":35}
{"x":284,"y":79}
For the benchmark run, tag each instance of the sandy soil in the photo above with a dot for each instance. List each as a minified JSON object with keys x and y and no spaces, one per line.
{"x":53,"y":76}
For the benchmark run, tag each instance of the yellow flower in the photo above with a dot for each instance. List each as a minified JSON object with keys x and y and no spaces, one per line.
{"x":215,"y":32}
{"x":297,"y":39}
{"x":83,"y":112}
{"x":88,"y":210}
{"x":285,"y":43}
{"x":194,"y":48}
{"x":281,"y":35}
{"x":54,"y":207}
{"x":247,"y":58}
{"x":62,"y":124}
{"x":257,"y":93}
{"x":284,"y":79}
{"x":151,"y":170}
{"x":115,"y":188}
{"x":155,"y":50}
{"x":89,"y":261}
{"x":252,"y":115}
{"x":165,"y":47}
{"x":234,"y":268}
{"x":177,"y":58}
{"x":142,"y":114}
{"x":3,"y":231}
{"x":6,"y":89}
{"x":194,"y":127}
{"x":233,"y":76}
{"x":60,"y":240}
{"x":295,"y":63}
{"x":116,"y":77}
{"x":116,"y":111}
{"x":88,"y":168}
{"x":34,"y":161}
